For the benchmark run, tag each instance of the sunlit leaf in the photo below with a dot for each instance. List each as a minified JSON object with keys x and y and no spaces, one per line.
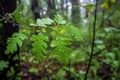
{"x":112,"y":1}
{"x":43,"y":22}
{"x":60,"y":41}
{"x":89,"y":6}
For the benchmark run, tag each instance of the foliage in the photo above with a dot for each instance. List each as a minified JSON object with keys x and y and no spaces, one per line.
{"x":60,"y":74}
{"x":108,"y":3}
{"x":43,"y":22}
{"x":61,"y":53}
{"x":14,"y":42}
{"x":39,"y":45}
{"x":56,"y":40}
{"x":59,"y":20}
{"x":11,"y":74}
{"x":3,"y":64}
{"x":34,"y":71}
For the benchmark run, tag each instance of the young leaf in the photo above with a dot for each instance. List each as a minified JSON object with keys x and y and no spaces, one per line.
{"x":14,"y":42}
{"x":73,"y":33}
{"x":39,"y":45}
{"x":34,"y":71}
{"x":3,"y":65}
{"x":12,"y":45}
{"x":20,"y":36}
{"x":61,"y":53}
{"x":43,"y":22}
{"x":60,"y":41}
{"x":59,"y":19}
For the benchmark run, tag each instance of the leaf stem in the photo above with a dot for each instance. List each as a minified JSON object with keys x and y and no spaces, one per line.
{"x":93,"y":39}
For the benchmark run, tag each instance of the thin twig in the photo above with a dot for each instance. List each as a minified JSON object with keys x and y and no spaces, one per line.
{"x":111,"y":66}
{"x":8,"y":20}
{"x":93,"y":39}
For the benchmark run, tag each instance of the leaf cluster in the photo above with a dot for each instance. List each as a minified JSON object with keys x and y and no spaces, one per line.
{"x":14,"y":42}
{"x":39,"y":45}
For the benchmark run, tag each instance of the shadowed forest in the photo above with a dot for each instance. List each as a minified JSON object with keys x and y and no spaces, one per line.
{"x":59,"y":39}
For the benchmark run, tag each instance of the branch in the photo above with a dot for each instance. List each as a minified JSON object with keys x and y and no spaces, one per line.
{"x":93,"y":39}
{"x":98,"y":52}
{"x":114,"y":68}
{"x":8,"y":20}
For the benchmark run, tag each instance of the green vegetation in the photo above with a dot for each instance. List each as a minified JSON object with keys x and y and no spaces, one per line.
{"x":55,"y":48}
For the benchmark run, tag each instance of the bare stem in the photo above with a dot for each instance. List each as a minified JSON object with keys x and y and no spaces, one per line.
{"x":93,"y":39}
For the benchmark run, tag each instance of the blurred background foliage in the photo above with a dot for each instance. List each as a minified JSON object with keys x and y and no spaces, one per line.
{"x":59,"y":36}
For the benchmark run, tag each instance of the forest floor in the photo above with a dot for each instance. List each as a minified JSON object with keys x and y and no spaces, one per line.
{"x":54,"y":67}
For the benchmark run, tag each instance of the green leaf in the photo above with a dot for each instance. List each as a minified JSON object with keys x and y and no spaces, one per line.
{"x":59,"y":19}
{"x":14,"y":42}
{"x":112,"y":1}
{"x":104,"y":5}
{"x":12,"y":45}
{"x":18,"y":76}
{"x":101,"y":46}
{"x":34,"y":71}
{"x":89,"y":6}
{"x":117,"y":6}
{"x":20,"y":36}
{"x":61,"y":53}
{"x":61,"y":73}
{"x":39,"y":45}
{"x":60,"y":41}
{"x":3,"y":65}
{"x":11,"y":72}
{"x":116,"y":63}
{"x":43,"y":22}
{"x":19,"y":42}
{"x":73,"y":33}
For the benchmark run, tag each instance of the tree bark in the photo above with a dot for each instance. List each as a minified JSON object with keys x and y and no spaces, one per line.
{"x":75,"y":11}
{"x":6,"y":31}
{"x":35,"y":8}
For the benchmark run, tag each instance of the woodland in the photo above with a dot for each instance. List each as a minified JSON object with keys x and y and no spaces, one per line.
{"x":59,"y":39}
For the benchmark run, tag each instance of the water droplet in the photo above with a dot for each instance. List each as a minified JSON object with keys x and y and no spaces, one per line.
{"x":13,"y":25}
{"x":5,"y":21}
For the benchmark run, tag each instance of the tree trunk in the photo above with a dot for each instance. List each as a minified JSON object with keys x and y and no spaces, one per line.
{"x":75,"y":11}
{"x":35,"y":8}
{"x":51,"y":12}
{"x":7,"y":29}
